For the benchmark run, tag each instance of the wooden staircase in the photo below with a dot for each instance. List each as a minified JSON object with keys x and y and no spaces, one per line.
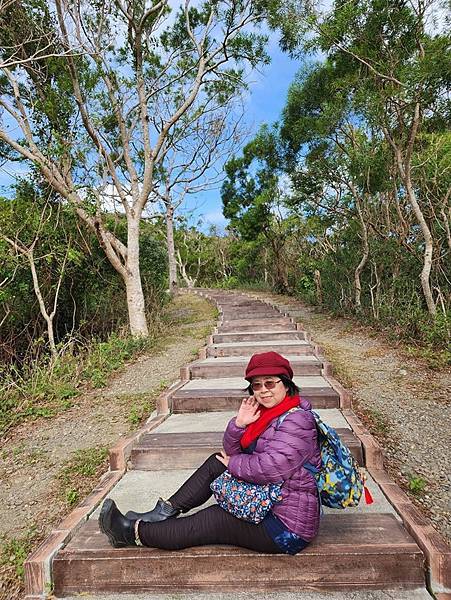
{"x":366,"y":548}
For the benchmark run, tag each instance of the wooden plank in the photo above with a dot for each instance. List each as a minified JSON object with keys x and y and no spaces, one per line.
{"x":351,"y":552}
{"x":250,"y":336}
{"x":189,"y":401}
{"x":235,"y":368}
{"x":215,"y":351}
{"x":190,"y":450}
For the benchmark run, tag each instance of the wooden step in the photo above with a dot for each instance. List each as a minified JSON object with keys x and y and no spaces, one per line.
{"x":231,"y":315}
{"x":351,"y":552}
{"x":233,"y":309}
{"x":237,"y":301}
{"x":292,"y":347}
{"x":208,"y":400}
{"x":160,"y":451}
{"x":271,"y":324}
{"x":258,"y":336}
{"x":250,"y":319}
{"x":234,"y":366}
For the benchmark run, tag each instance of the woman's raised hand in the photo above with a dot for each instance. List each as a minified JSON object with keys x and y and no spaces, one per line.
{"x":248,"y":413}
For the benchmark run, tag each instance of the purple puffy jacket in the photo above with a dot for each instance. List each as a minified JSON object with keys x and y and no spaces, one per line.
{"x":279,"y":455}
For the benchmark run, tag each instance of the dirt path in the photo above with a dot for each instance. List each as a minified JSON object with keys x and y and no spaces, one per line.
{"x":35,"y":479}
{"x":405,"y":405}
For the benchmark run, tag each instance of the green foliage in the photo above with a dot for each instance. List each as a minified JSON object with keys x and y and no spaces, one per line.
{"x":42,"y":388}
{"x":377,"y":422}
{"x":106,"y":357}
{"x":140,"y":406}
{"x":91,"y":298}
{"x":355,"y":161}
{"x":416,"y":484}
{"x":79,"y":470}
{"x":229,"y":283}
{"x":434,"y":330}
{"x":250,"y":191}
{"x":434,"y":358}
{"x":14,"y":551}
{"x":72,"y":497}
{"x":101,"y":106}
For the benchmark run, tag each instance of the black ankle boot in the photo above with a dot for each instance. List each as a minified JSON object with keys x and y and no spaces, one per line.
{"x":162,"y":511}
{"x":119,"y":529}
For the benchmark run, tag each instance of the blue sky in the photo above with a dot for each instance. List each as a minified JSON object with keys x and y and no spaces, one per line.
{"x":268,"y":91}
{"x":267,"y":94}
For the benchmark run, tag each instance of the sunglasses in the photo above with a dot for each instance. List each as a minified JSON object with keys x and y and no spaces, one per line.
{"x":269,"y":384}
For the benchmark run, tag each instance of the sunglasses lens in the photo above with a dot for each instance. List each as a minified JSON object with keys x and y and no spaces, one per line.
{"x":269,"y":385}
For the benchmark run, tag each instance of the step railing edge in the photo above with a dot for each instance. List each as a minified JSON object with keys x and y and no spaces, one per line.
{"x":437,"y":552}
{"x":38,"y":566}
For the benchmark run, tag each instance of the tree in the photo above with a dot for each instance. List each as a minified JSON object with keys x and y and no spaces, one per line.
{"x":334,"y":164}
{"x":91,"y":117}
{"x":87,"y":293}
{"x":200,"y":142}
{"x":253,"y":198}
{"x":24,"y":240}
{"x":382,"y":58}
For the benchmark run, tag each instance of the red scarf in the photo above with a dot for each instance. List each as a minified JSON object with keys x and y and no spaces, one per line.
{"x":253,"y":431}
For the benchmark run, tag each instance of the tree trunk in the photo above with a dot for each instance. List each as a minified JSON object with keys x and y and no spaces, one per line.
{"x":446,"y":221}
{"x":281,"y":278}
{"x":47,"y":317}
{"x":265,"y":262}
{"x":171,"y":249}
{"x":375,"y":296}
{"x":132,"y":279}
{"x":428,"y":246}
{"x":403,"y":162}
{"x":394,"y":278}
{"x":318,"y":286}
{"x":363,"y":261}
{"x":182,"y":266}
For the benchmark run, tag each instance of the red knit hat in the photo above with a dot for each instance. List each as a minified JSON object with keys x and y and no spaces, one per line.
{"x":268,"y":363}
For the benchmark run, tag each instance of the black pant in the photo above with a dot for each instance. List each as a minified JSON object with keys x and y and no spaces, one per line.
{"x":212,"y":525}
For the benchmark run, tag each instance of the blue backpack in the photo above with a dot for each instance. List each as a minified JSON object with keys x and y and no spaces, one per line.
{"x":339,"y":481}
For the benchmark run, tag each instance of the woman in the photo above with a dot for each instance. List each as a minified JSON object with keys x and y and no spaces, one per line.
{"x":259,"y":447}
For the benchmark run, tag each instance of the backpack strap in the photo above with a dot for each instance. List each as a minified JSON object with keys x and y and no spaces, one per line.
{"x":307,"y":466}
{"x":282,"y":417}
{"x":311,"y":468}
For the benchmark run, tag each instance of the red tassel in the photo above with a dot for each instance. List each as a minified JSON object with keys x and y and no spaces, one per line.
{"x":368,"y":496}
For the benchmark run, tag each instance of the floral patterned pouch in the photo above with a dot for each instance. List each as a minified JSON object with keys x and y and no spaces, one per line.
{"x":244,"y":500}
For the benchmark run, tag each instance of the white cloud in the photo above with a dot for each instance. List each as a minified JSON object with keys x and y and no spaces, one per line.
{"x":215,"y":217}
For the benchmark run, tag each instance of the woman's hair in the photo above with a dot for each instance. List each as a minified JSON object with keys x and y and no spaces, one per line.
{"x":292,"y":388}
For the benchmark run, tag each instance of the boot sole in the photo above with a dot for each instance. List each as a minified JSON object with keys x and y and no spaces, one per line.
{"x":105,"y":523}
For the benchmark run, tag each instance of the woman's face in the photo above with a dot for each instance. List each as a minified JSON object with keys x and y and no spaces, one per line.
{"x":265,"y":396}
